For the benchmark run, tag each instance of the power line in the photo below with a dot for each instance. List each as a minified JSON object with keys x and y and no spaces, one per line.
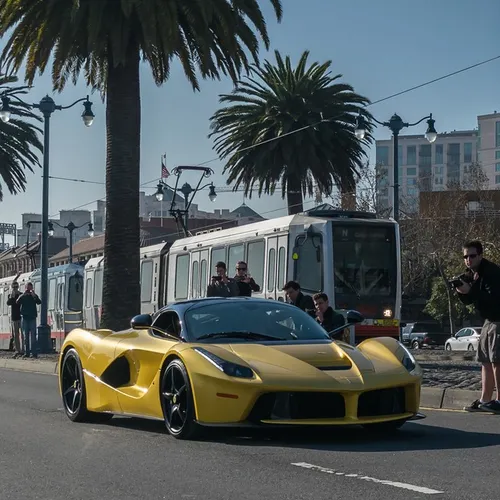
{"x":429,"y":82}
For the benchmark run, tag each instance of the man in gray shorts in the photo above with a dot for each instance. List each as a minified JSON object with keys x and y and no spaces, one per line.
{"x":480,"y":286}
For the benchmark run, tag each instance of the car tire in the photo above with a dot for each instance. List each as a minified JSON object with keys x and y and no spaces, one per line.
{"x":177,"y":401}
{"x":447,"y":347}
{"x":415,"y":345}
{"x":74,"y":391}
{"x":385,"y":427}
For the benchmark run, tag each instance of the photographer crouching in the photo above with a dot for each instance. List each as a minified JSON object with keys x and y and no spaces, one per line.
{"x":480,"y":286}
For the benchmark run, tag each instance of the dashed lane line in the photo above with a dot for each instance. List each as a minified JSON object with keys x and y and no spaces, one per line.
{"x":395,"y":484}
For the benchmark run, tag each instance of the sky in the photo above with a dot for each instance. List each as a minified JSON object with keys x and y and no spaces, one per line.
{"x":380,"y":48}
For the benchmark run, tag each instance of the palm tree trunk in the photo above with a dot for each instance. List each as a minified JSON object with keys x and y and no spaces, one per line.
{"x":294,"y":197}
{"x":121,"y":287}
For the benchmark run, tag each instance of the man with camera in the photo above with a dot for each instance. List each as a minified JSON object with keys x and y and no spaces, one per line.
{"x":221,"y":285}
{"x":480,"y":286}
{"x":28,"y":302}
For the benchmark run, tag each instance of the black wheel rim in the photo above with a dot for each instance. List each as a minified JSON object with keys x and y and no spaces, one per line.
{"x":174,"y":394}
{"x":71,"y":385}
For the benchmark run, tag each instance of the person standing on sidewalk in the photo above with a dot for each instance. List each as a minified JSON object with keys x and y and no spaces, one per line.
{"x":15,"y":319}
{"x":481,"y":287}
{"x":28,"y":302}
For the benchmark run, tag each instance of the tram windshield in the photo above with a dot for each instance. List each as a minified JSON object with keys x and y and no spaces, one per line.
{"x":365,"y":260}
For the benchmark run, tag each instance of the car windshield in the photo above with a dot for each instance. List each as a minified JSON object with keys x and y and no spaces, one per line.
{"x":267,"y":318}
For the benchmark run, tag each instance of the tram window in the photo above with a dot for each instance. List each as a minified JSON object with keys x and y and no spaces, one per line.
{"x":146,"y":280}
{"x":281,"y":266}
{"x":271,"y":269}
{"x":255,"y":261}
{"x":218,"y":254}
{"x":182,"y":277}
{"x":75,"y":297}
{"x":52,"y":294}
{"x":88,"y":292}
{"x":98,"y":287}
{"x":203,"y":272}
{"x":307,"y":268}
{"x":195,"y":289}
{"x":236,"y":253}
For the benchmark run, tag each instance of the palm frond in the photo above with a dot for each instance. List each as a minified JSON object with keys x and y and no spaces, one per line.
{"x":304,"y":118}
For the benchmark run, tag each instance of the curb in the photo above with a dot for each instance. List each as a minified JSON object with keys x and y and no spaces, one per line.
{"x":430,"y":397}
{"x":31,"y":365}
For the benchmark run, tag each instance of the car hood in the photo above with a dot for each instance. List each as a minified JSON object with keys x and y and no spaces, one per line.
{"x":312,"y":361}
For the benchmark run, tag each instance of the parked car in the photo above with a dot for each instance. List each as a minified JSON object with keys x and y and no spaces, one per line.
{"x":423,"y":334}
{"x":465,"y":339}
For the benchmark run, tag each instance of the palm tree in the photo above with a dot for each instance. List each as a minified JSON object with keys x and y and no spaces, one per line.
{"x":314,"y":118}
{"x":18,"y":140}
{"x":107,"y":40}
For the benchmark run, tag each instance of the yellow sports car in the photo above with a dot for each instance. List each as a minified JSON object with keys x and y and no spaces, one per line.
{"x":237,"y":361}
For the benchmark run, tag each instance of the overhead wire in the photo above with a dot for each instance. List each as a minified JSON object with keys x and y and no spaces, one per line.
{"x":397,"y":94}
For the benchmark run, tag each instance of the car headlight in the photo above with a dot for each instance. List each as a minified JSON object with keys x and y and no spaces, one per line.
{"x":408,"y":361}
{"x":229,"y":368}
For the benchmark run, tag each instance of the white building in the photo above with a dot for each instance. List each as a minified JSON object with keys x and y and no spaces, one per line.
{"x":438,"y":166}
{"x":488,"y":143}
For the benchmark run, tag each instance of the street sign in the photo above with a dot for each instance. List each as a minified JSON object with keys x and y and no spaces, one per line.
{"x":8,"y":228}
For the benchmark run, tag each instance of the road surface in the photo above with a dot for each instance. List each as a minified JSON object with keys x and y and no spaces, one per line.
{"x":450,"y":455}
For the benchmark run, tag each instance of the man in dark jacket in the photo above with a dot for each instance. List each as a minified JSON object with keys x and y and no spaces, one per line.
{"x":15,"y":319}
{"x":246,"y":283}
{"x":297,"y":298}
{"x":28,"y":302}
{"x":221,"y":285}
{"x":327,"y":317}
{"x":481,"y":287}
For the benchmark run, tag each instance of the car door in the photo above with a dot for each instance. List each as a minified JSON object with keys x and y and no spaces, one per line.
{"x":144,"y":350}
{"x":462,"y":339}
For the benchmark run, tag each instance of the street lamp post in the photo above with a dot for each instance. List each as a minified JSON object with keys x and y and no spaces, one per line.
{"x":396,"y":124}
{"x":187,"y":190}
{"x":47,"y":106}
{"x":71,"y":227}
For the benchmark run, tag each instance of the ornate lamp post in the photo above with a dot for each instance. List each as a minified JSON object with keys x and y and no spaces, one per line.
{"x":47,"y":106}
{"x":396,"y":124}
{"x":71,"y":227}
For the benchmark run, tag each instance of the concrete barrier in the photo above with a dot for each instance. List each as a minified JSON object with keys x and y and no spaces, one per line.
{"x":29,"y":365}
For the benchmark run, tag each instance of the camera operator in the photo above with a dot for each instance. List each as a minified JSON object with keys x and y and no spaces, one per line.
{"x":221,"y":285}
{"x":480,"y":286}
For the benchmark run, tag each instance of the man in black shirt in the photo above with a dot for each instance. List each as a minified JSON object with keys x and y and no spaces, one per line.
{"x":327,"y":317}
{"x":246,"y":283}
{"x":297,"y":298}
{"x":15,"y":319}
{"x":481,"y":287}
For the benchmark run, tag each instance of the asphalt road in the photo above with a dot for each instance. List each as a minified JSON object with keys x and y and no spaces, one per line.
{"x":45,"y":456}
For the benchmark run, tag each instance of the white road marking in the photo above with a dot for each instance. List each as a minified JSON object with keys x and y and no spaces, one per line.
{"x":418,"y":489}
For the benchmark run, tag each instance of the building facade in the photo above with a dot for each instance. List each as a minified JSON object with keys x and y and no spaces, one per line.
{"x":488,"y":144}
{"x":423,"y":166}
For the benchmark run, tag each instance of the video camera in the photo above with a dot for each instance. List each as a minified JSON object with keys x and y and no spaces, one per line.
{"x":460,"y":280}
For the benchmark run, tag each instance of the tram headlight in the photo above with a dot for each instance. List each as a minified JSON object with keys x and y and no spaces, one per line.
{"x":387,"y":313}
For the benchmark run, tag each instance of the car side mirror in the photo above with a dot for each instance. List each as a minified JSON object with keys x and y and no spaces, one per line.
{"x":141,"y":322}
{"x":354,"y":317}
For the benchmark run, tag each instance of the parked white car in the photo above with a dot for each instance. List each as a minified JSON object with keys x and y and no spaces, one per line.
{"x":465,"y":339}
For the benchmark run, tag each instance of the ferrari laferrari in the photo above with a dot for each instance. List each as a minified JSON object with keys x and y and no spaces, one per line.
{"x":237,"y":361}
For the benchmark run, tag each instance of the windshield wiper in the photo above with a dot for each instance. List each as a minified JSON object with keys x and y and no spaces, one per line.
{"x":239,"y":335}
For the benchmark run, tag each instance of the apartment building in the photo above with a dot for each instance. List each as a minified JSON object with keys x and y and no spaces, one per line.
{"x":423,"y":166}
{"x":488,"y":144}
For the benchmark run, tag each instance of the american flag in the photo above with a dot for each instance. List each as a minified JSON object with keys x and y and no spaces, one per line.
{"x":164,"y":171}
